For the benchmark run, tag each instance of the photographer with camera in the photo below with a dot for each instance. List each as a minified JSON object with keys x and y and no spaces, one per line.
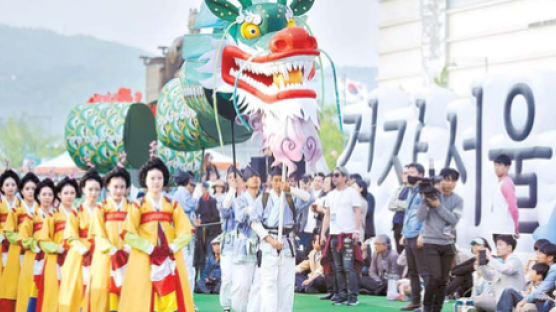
{"x":410,"y":235}
{"x":438,"y":210}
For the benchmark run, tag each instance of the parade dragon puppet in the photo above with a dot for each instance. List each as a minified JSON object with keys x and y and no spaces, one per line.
{"x":251,"y":74}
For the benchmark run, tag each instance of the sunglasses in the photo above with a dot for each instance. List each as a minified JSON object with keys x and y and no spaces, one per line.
{"x":337,"y":175}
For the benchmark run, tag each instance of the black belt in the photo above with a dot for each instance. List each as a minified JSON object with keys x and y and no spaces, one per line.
{"x":274,"y":230}
{"x":285,"y":232}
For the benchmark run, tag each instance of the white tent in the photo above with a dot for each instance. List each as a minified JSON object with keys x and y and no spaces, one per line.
{"x":222,"y":161}
{"x":61,"y":164}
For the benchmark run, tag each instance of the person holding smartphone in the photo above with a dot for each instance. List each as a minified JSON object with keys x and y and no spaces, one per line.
{"x":464,"y":278}
{"x":510,"y":298}
{"x":504,"y":270}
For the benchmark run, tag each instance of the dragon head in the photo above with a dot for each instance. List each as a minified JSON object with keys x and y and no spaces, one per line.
{"x":277,"y":58}
{"x":272,"y":60}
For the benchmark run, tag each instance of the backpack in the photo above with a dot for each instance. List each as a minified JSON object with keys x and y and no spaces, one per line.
{"x":289,"y":199}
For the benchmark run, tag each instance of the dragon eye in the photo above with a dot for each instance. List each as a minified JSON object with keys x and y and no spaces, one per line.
{"x":250,"y":31}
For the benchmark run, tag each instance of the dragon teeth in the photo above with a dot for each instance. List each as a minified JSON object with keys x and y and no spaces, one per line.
{"x":284,"y":66}
{"x":286,"y":74}
{"x":307,"y":67}
{"x":300,"y":63}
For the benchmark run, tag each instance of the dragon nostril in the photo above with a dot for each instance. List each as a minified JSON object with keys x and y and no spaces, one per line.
{"x":280,"y":45}
{"x":292,"y":38}
{"x":311,"y":43}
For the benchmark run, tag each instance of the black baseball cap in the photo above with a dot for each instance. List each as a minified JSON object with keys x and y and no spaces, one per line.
{"x":449,"y":172}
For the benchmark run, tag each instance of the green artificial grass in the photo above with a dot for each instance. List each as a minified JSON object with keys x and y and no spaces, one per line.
{"x":311,"y":303}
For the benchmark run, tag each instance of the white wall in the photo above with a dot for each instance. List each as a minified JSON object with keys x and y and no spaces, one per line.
{"x":500,"y":37}
{"x":399,"y":44}
{"x":497,"y":36}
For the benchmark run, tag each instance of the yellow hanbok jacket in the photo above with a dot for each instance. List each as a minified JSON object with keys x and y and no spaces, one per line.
{"x":10,"y":277}
{"x":7,"y":224}
{"x":52,"y":231}
{"x":140,"y":228}
{"x":106,"y":228}
{"x":28,"y":234}
{"x":77,"y":236}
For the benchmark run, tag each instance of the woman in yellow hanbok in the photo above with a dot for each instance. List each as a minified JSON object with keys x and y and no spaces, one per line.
{"x":43,"y":192}
{"x":75,"y":271}
{"x":157,"y":229}
{"x":21,"y":216}
{"x":51,"y":241}
{"x":11,"y":250}
{"x":111,"y":254}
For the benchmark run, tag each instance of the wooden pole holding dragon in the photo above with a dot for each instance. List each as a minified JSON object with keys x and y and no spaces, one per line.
{"x":271,"y":88}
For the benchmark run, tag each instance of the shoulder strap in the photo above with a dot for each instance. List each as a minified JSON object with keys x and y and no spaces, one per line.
{"x":291,"y":204}
{"x":265,"y":200}
{"x":413,"y":195}
{"x":289,"y":199}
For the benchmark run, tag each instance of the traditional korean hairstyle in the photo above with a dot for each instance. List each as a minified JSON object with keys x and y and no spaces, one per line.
{"x":152,"y":164}
{"x":42,"y":184}
{"x":71,"y":182}
{"x":118,"y":172}
{"x":91,"y":174}
{"x":8,"y":173}
{"x":29,"y":177}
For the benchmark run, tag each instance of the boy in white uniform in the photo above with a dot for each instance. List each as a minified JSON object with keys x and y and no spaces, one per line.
{"x":278,"y":255}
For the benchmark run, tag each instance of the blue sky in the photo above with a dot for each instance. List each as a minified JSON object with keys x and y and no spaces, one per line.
{"x":346,"y":29}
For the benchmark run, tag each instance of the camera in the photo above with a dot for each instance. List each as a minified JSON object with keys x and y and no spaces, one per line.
{"x":426,"y":187}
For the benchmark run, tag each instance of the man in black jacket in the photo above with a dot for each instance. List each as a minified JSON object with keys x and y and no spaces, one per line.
{"x":207,"y":227}
{"x":461,"y":283}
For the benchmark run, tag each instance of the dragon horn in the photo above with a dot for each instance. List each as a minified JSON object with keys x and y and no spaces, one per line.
{"x":245,"y":3}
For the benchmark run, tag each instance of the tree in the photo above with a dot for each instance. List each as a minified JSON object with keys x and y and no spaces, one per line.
{"x":442,"y":79}
{"x":22,"y":136}
{"x":330,"y":135}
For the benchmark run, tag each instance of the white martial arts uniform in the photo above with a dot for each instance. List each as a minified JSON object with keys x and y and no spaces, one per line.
{"x":277,"y":271}
{"x":227,"y":217}
{"x":244,"y":291}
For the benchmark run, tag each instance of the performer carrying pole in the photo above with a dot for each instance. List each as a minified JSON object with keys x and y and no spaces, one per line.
{"x":227,"y":216}
{"x":277,"y":277}
{"x":246,"y":284}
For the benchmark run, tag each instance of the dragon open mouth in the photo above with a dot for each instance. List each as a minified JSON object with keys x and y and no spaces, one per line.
{"x":273,"y":77}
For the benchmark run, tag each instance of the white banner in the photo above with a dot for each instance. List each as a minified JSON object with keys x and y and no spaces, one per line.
{"x":515,"y":115}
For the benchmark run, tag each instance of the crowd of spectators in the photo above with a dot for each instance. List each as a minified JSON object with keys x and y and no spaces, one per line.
{"x":339,"y":254}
